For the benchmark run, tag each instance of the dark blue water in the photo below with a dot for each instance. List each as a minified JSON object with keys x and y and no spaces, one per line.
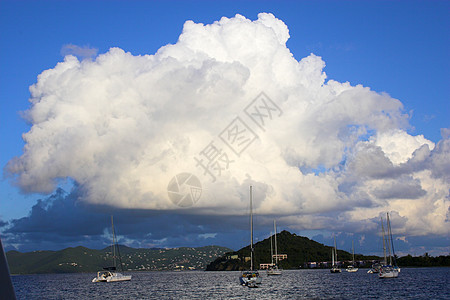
{"x":412,"y":283}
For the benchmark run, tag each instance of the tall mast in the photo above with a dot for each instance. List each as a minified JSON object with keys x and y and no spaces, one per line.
{"x":388,"y":241}
{"x":113,"y":241}
{"x":251,"y":231}
{"x":335,"y":250}
{"x":271,"y":249}
{"x":332,"y":257}
{"x":353,"y":253}
{"x":390,"y":238}
{"x":384,"y":242}
{"x":276,"y":251}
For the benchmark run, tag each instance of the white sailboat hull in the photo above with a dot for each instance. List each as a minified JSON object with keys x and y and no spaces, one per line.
{"x":250,"y":278}
{"x":351,"y":269}
{"x":335,"y":270}
{"x":96,"y":279}
{"x":245,"y":281}
{"x":274,"y":272}
{"x":111,"y":277}
{"x":118,"y":277}
{"x":388,"y":273}
{"x":374,"y":269}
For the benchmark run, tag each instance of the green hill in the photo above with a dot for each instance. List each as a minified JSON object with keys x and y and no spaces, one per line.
{"x":299,"y":250}
{"x":81,"y":259}
{"x":424,"y":261}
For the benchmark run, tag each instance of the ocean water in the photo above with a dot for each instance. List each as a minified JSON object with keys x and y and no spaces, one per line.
{"x":412,"y":283}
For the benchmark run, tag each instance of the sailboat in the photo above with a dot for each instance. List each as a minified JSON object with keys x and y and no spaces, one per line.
{"x":352,"y":268}
{"x":390,"y":270}
{"x":273,"y":270}
{"x":334,"y":265}
{"x":250,"y":278}
{"x":375,"y":268}
{"x":109,"y":274}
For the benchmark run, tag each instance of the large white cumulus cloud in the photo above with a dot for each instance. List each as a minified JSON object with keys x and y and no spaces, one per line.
{"x":122,"y":126}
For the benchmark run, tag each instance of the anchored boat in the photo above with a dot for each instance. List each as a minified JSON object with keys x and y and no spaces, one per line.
{"x":390,"y":270}
{"x":109,"y":274}
{"x":250,"y":278}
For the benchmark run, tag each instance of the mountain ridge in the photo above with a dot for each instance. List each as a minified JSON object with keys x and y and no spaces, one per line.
{"x":299,"y":250}
{"x":82,"y":259}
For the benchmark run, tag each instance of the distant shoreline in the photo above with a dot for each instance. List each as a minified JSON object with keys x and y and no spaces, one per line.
{"x":189,"y":271}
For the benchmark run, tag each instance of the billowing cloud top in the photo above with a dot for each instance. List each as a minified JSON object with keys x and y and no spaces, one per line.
{"x":230,"y":104}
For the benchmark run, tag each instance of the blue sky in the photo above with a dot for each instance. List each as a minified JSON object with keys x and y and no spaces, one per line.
{"x":396,"y":47}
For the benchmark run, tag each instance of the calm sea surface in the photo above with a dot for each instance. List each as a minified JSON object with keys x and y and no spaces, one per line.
{"x":412,"y":283}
